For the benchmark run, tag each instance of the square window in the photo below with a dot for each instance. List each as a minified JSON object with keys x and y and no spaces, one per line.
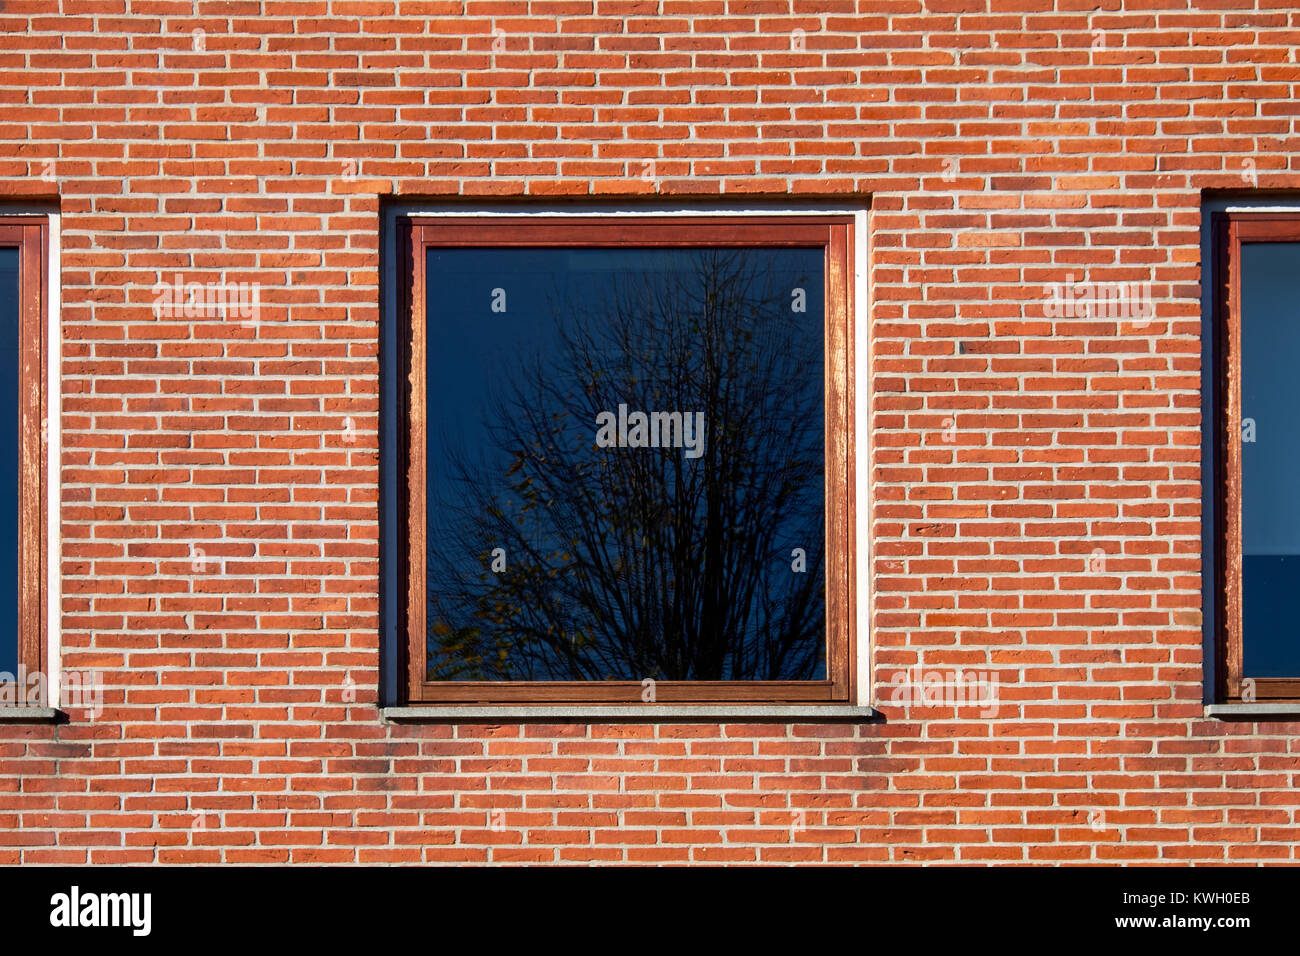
{"x":627,"y":454}
{"x":1255,"y":509}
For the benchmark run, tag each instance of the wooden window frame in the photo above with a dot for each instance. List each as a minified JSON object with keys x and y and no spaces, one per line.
{"x":835,"y":235}
{"x":1230,"y":231}
{"x":30,"y":234}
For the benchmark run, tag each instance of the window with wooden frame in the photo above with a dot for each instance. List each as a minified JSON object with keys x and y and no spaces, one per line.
{"x":1256,"y":502}
{"x":628,"y":459}
{"x":24,"y":290}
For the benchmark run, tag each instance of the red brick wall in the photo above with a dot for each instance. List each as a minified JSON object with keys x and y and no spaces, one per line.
{"x":1000,"y":151}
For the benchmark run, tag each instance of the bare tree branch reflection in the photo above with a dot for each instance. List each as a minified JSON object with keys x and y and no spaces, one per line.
{"x":626,"y":563}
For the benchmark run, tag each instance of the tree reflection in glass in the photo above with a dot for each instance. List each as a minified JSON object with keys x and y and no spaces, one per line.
{"x":626,"y":464}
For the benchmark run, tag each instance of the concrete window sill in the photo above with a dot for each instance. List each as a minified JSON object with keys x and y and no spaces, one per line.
{"x":651,"y":713}
{"x":1259,"y":709}
{"x":29,"y":715}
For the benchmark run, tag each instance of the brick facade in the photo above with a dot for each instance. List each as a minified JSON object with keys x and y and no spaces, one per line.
{"x":1035,"y":494}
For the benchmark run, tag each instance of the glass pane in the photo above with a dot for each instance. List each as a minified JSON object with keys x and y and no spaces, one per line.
{"x":9,"y":376}
{"x":625,"y":464}
{"x":1270,"y":481}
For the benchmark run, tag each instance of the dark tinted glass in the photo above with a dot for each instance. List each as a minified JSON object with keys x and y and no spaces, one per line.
{"x":1270,"y":482}
{"x":625,"y":464}
{"x":9,"y":376}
